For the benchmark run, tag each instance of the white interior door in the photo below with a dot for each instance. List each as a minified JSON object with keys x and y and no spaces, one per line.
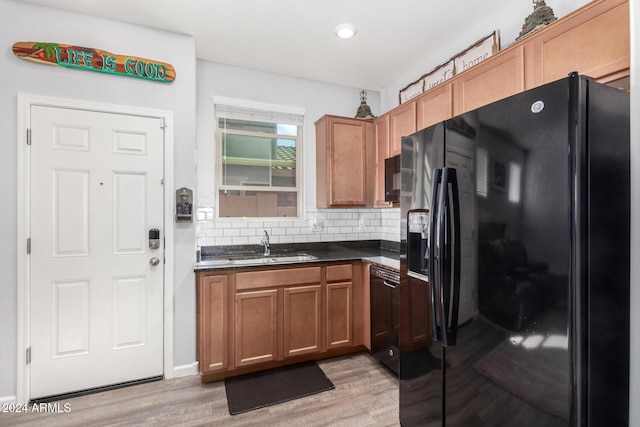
{"x":464,"y":163}
{"x":96,"y":301}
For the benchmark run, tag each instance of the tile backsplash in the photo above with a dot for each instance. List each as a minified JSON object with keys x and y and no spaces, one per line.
{"x":320,"y":225}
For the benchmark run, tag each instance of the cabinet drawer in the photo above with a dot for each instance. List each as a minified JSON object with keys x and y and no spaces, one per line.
{"x":339,"y":272}
{"x":271,"y":278}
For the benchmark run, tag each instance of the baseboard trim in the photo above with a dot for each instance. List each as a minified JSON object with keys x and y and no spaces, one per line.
{"x":186,"y":370}
{"x":8,"y":399}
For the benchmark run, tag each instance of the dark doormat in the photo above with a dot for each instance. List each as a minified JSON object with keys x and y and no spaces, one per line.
{"x":273,"y":386}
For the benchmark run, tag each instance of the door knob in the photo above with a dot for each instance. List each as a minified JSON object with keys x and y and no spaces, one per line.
{"x":154,"y":261}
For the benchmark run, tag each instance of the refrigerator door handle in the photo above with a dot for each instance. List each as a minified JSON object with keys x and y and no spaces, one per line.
{"x":436,"y":334}
{"x":449,"y":239}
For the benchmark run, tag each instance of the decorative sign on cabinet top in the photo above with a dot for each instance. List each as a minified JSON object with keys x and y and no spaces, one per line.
{"x":464,"y":60}
{"x":94,"y":60}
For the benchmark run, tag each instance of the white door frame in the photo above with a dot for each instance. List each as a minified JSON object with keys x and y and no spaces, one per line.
{"x":25,"y":101}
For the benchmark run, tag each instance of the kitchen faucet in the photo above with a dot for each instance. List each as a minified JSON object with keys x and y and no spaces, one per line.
{"x":265,"y":242}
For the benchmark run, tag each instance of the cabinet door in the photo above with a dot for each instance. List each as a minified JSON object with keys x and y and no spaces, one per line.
{"x":256,"y":327}
{"x":339,"y":315}
{"x":402,"y":122}
{"x":302,"y":320}
{"x":344,"y":163}
{"x":381,"y":125}
{"x":415,"y":320}
{"x":496,"y":78}
{"x":213,"y":323}
{"x":435,"y":105}
{"x":595,"y":42}
{"x":381,"y":314}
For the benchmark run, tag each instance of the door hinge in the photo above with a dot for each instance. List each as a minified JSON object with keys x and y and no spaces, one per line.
{"x":28,"y":136}
{"x":28,"y":245}
{"x":163,"y":123}
{"x":28,"y":355}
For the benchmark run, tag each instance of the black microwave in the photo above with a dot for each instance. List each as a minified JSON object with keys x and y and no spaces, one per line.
{"x":392,"y":179}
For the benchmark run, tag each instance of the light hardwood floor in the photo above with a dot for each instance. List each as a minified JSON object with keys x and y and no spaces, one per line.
{"x":365,"y":394}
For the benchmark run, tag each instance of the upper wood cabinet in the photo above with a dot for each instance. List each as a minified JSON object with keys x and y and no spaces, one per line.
{"x":595,"y":42}
{"x":389,"y":130}
{"x":381,"y":125}
{"x":490,"y":81}
{"x":402,"y":122}
{"x":344,"y":161}
{"x":434,"y":106}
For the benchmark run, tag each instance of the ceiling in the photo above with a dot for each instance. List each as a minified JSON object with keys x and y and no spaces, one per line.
{"x":295,"y":37}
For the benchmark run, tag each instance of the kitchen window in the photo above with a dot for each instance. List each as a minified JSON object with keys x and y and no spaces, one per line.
{"x":259,"y":154}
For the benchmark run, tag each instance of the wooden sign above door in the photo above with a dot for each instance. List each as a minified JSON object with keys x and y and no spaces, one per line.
{"x":91,"y":59}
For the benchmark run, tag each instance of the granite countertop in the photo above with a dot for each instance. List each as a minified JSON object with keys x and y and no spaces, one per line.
{"x":376,"y":252}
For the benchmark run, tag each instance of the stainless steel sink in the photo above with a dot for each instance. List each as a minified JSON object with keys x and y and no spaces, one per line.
{"x":243,"y":261}
{"x":291,"y":258}
{"x":213,"y":262}
{"x":270,"y":259}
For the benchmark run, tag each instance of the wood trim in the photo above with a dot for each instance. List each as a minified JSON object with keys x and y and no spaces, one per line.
{"x":322,"y":163}
{"x":361,"y":319}
{"x":275,"y":278}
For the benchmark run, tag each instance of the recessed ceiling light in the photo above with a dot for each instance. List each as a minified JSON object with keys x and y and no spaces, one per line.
{"x":345,"y":31}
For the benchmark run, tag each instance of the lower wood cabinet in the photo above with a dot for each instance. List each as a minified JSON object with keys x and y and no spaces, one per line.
{"x":256,"y":327}
{"x":415,"y":321}
{"x":213,"y":322}
{"x":302,"y":318}
{"x":339,"y":306}
{"x":262,"y":318}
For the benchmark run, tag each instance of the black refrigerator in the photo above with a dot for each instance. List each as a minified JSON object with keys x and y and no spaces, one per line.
{"x":514,"y":290}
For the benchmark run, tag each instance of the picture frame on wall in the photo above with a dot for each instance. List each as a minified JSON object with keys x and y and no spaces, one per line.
{"x":499,"y":175}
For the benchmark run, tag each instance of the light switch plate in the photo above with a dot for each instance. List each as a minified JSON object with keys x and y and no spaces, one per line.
{"x":315,"y":224}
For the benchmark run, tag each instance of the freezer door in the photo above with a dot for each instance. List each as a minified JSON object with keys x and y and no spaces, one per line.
{"x":420,"y":378}
{"x":510,"y":363}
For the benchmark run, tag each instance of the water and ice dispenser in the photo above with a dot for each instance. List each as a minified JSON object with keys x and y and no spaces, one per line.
{"x":417,"y":243}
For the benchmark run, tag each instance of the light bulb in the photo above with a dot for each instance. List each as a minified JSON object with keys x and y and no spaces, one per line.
{"x":345,"y":31}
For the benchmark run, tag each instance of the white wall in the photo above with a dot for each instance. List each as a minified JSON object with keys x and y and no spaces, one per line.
{"x":635,"y":214}
{"x":508,"y":21}
{"x":317,"y":99}
{"x":24,"y":22}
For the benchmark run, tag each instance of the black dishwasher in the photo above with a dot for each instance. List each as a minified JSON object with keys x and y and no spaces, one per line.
{"x":385,"y":317}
